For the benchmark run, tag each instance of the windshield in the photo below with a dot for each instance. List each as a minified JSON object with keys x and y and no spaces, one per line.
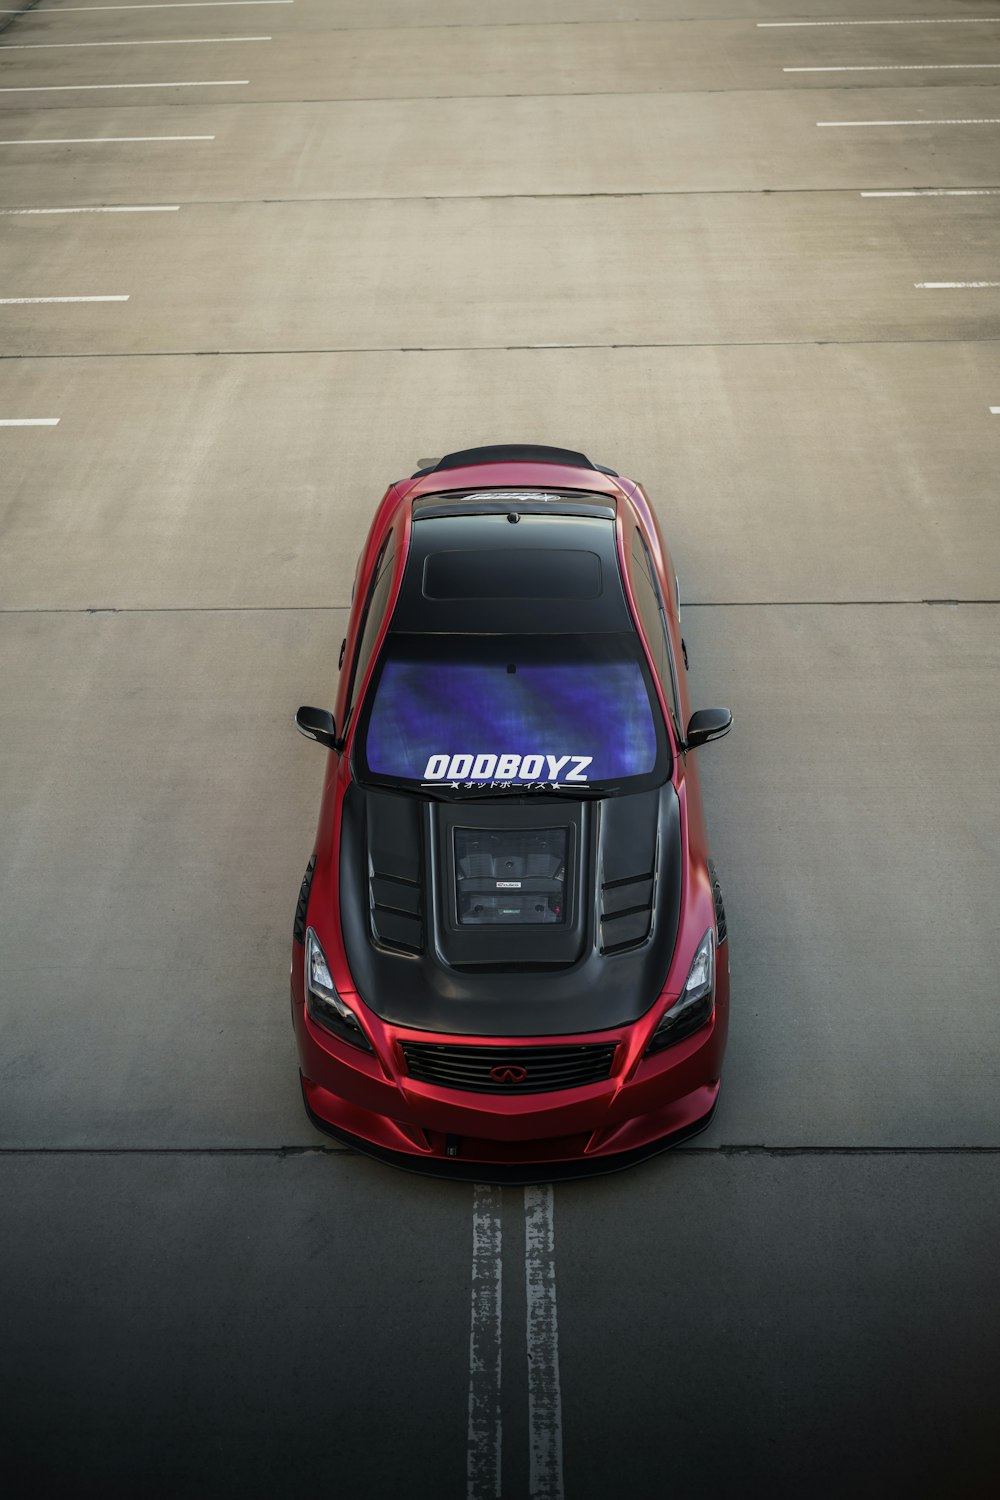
{"x":502,"y":713}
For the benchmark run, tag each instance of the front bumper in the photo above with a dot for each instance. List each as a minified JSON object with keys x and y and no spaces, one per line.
{"x":467,"y":1166}
{"x":648,"y":1105}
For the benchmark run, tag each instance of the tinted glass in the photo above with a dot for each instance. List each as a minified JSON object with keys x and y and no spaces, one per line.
{"x":504,"y":574}
{"x":374,"y":612}
{"x":649,"y":611}
{"x":650,"y":603}
{"x":510,"y":876}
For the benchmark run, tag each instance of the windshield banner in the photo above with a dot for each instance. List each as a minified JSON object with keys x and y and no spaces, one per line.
{"x":458,"y":722}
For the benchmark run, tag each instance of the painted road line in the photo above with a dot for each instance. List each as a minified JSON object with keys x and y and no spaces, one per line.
{"x":29,"y":421}
{"x":544,"y":1397}
{"x":74,"y":88}
{"x":178,"y":41}
{"x":840,"y":124}
{"x":943,"y":286}
{"x":893,"y":68}
{"x":92,"y":140}
{"x":485,"y":1344}
{"x":20,"y":301}
{"x":915,"y":21}
{"x":62,"y":10}
{"x":995,"y":410}
{"x":934,"y":193}
{"x":103,"y":208}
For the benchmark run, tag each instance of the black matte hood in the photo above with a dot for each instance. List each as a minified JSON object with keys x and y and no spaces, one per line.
{"x":513,"y":917}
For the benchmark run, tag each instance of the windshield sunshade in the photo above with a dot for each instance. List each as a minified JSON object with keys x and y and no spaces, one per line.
{"x":505,"y":711}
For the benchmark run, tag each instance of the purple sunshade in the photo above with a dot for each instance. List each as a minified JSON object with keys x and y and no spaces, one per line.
{"x":431,"y":714}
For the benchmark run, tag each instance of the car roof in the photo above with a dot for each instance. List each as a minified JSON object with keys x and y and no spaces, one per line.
{"x":512,"y":566}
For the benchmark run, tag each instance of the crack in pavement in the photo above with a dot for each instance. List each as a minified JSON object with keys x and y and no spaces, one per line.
{"x":256,"y":609}
{"x":289,"y":1151}
{"x":679,"y":192}
{"x":497,"y":348}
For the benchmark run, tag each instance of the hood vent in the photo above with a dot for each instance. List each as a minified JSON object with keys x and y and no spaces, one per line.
{"x":395,"y":869}
{"x":626,"y":912}
{"x":302,"y":906}
{"x":720,"y":910}
{"x":629,"y":858}
{"x":397,"y":918}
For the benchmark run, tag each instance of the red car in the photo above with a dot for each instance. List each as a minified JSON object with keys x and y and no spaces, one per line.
{"x":510,"y":958}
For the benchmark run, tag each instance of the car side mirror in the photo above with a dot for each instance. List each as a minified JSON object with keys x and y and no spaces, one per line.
{"x":317,"y":724}
{"x":707,"y":724}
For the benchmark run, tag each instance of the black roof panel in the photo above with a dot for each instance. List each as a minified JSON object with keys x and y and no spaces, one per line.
{"x":581,"y":595}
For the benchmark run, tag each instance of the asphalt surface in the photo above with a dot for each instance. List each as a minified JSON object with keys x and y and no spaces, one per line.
{"x":415,"y":228}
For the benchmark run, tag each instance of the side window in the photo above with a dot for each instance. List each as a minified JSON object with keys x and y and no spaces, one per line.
{"x":375,"y":606}
{"x":650,"y":602}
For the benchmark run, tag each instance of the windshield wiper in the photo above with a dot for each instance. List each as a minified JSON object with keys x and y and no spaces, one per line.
{"x":451,"y":791}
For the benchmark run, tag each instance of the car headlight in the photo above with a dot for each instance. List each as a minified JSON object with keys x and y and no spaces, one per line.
{"x":696,"y":1002}
{"x":323,"y":1004}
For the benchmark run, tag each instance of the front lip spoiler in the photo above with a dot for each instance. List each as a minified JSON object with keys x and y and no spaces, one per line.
{"x":508,"y":1174}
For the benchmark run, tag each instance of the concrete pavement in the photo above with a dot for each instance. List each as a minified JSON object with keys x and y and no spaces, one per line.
{"x":514,"y":273}
{"x":558,"y":144}
{"x":767,"y":496}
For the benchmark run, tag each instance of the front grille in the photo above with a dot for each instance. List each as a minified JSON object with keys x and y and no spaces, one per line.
{"x":545,"y":1068}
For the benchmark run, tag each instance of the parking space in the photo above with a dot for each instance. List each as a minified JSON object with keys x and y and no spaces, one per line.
{"x":631,"y":144}
{"x":779,"y":268}
{"x":626,"y":56}
{"x":773,"y":298}
{"x":875,"y":485}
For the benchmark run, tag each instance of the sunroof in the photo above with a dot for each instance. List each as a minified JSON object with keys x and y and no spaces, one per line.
{"x":508,"y":573}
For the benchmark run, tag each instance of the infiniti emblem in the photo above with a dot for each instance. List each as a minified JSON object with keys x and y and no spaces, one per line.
{"x":508,"y":1073}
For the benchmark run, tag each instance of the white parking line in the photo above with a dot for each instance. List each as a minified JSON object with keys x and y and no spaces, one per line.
{"x":945,"y":286}
{"x":935,"y":193}
{"x":103,"y":208}
{"x":995,"y":410}
{"x":170,"y":41}
{"x":72,"y":88}
{"x":545,"y":1480}
{"x":19,"y":301}
{"x":93,"y":140}
{"x":914,"y":21}
{"x":484,"y":1434}
{"x":894,"y":68}
{"x":61,"y":10}
{"x":29,"y":421}
{"x":839,"y":124}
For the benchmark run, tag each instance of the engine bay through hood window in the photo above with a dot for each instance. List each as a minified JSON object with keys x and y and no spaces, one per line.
{"x":510,"y":876}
